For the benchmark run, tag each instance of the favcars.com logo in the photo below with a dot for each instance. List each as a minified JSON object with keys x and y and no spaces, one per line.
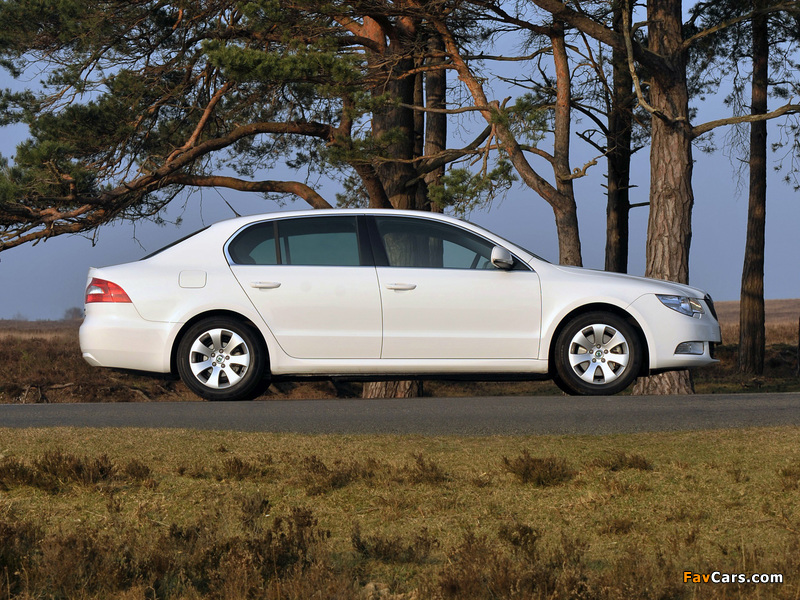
{"x":719,"y":577}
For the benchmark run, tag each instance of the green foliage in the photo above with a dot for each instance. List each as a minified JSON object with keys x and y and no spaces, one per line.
{"x":528,"y":118}
{"x":137,"y":98}
{"x":309,"y":65}
{"x":353,"y":195}
{"x":462,"y":191}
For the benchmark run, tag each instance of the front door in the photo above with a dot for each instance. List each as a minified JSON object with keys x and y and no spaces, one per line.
{"x":443,"y":298}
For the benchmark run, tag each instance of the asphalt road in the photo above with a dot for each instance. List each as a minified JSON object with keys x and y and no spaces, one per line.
{"x":429,"y":416}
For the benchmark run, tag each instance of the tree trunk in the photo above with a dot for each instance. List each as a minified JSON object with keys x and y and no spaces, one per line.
{"x":393,"y":125}
{"x":420,"y":187}
{"x":405,"y":128}
{"x":396,"y":124}
{"x":566,"y":212}
{"x":669,"y":228}
{"x":392,"y":389}
{"x":620,"y":125}
{"x":562,"y":118}
{"x":436,"y":123}
{"x":751,"y":308}
{"x":665,"y":384}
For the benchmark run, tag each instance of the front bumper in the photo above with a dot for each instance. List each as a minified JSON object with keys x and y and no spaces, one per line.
{"x":670,"y":333}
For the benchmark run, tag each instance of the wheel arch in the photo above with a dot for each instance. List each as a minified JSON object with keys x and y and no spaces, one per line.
{"x":208,"y":314}
{"x":600,"y":307}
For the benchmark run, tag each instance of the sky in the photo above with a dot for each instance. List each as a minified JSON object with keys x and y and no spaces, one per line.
{"x":43,"y":281}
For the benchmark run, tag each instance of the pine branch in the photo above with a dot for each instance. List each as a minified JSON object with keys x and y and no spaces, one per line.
{"x":786,"y":109}
{"x":283,"y":187}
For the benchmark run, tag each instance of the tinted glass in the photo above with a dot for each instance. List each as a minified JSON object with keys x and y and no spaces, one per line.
{"x":331,"y":241}
{"x":429,"y":244}
{"x":255,"y":246}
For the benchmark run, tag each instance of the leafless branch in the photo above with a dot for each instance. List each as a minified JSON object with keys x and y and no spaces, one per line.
{"x":779,"y":112}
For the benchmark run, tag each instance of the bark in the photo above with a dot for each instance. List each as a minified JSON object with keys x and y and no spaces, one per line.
{"x":435,"y":122}
{"x":562,"y":123}
{"x":751,"y":308}
{"x":669,"y":228}
{"x":620,"y":125}
{"x":392,"y":389}
{"x":419,"y":186}
{"x":665,"y":384}
{"x":396,"y":121}
{"x":373,"y":185}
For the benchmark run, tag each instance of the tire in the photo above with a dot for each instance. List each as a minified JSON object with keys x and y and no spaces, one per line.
{"x":237,"y":374}
{"x":597,"y":353}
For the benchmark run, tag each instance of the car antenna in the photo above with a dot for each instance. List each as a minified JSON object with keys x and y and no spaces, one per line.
{"x":229,"y":206}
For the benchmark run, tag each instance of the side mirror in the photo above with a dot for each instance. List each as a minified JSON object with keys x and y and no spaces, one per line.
{"x":501,"y":258}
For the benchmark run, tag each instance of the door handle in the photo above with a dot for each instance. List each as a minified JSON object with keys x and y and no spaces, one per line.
{"x":401,"y":286}
{"x":265,"y":285}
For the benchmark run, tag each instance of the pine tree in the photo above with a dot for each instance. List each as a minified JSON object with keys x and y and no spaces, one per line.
{"x":143,"y":99}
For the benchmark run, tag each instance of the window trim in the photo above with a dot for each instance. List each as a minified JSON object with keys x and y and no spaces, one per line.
{"x":365,"y":248}
{"x":382,"y":258}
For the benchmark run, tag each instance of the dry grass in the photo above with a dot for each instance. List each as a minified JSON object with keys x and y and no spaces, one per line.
{"x":264,"y":518}
{"x":44,"y":364}
{"x":781,"y":361}
{"x":781,"y":316}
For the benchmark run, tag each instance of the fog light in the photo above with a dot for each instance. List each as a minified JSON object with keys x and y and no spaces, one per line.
{"x":690,"y":348}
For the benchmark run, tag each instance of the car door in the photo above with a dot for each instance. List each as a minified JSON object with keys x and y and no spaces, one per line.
{"x":443,"y":298}
{"x":313,"y":281}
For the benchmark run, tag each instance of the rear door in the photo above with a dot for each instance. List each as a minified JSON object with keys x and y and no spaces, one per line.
{"x":313,"y":281}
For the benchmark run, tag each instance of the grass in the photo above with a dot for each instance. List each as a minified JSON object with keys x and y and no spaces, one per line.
{"x":178,"y":514}
{"x":133,"y":514}
{"x":43,"y":364}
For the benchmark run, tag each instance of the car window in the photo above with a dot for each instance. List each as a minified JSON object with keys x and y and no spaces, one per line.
{"x":255,"y":245}
{"x":331,"y":241}
{"x":422,"y":243}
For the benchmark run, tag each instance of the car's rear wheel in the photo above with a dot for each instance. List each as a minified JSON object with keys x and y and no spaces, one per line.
{"x":221,"y":358}
{"x":597,"y":353}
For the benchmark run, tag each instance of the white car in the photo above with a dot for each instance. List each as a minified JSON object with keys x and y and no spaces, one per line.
{"x":383,"y":293}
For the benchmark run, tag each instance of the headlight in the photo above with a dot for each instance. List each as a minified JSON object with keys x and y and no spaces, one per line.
{"x":690,"y":307}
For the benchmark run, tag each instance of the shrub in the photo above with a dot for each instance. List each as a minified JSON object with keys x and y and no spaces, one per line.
{"x":622,"y":460}
{"x":541,"y":472}
{"x":425,"y":471}
{"x":394,"y":549}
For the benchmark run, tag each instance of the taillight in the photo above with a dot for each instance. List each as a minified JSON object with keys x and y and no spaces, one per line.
{"x":100,"y":290}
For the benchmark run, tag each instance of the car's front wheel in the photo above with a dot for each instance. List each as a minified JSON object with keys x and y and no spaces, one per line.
{"x":597,"y":353}
{"x":221,"y":358}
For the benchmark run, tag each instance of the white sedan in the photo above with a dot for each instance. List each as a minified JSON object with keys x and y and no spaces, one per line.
{"x":383,"y":293}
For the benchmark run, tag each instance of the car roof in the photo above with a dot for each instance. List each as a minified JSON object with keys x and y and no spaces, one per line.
{"x":341,"y":211}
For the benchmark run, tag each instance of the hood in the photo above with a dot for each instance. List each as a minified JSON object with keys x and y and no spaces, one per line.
{"x":658,"y":286}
